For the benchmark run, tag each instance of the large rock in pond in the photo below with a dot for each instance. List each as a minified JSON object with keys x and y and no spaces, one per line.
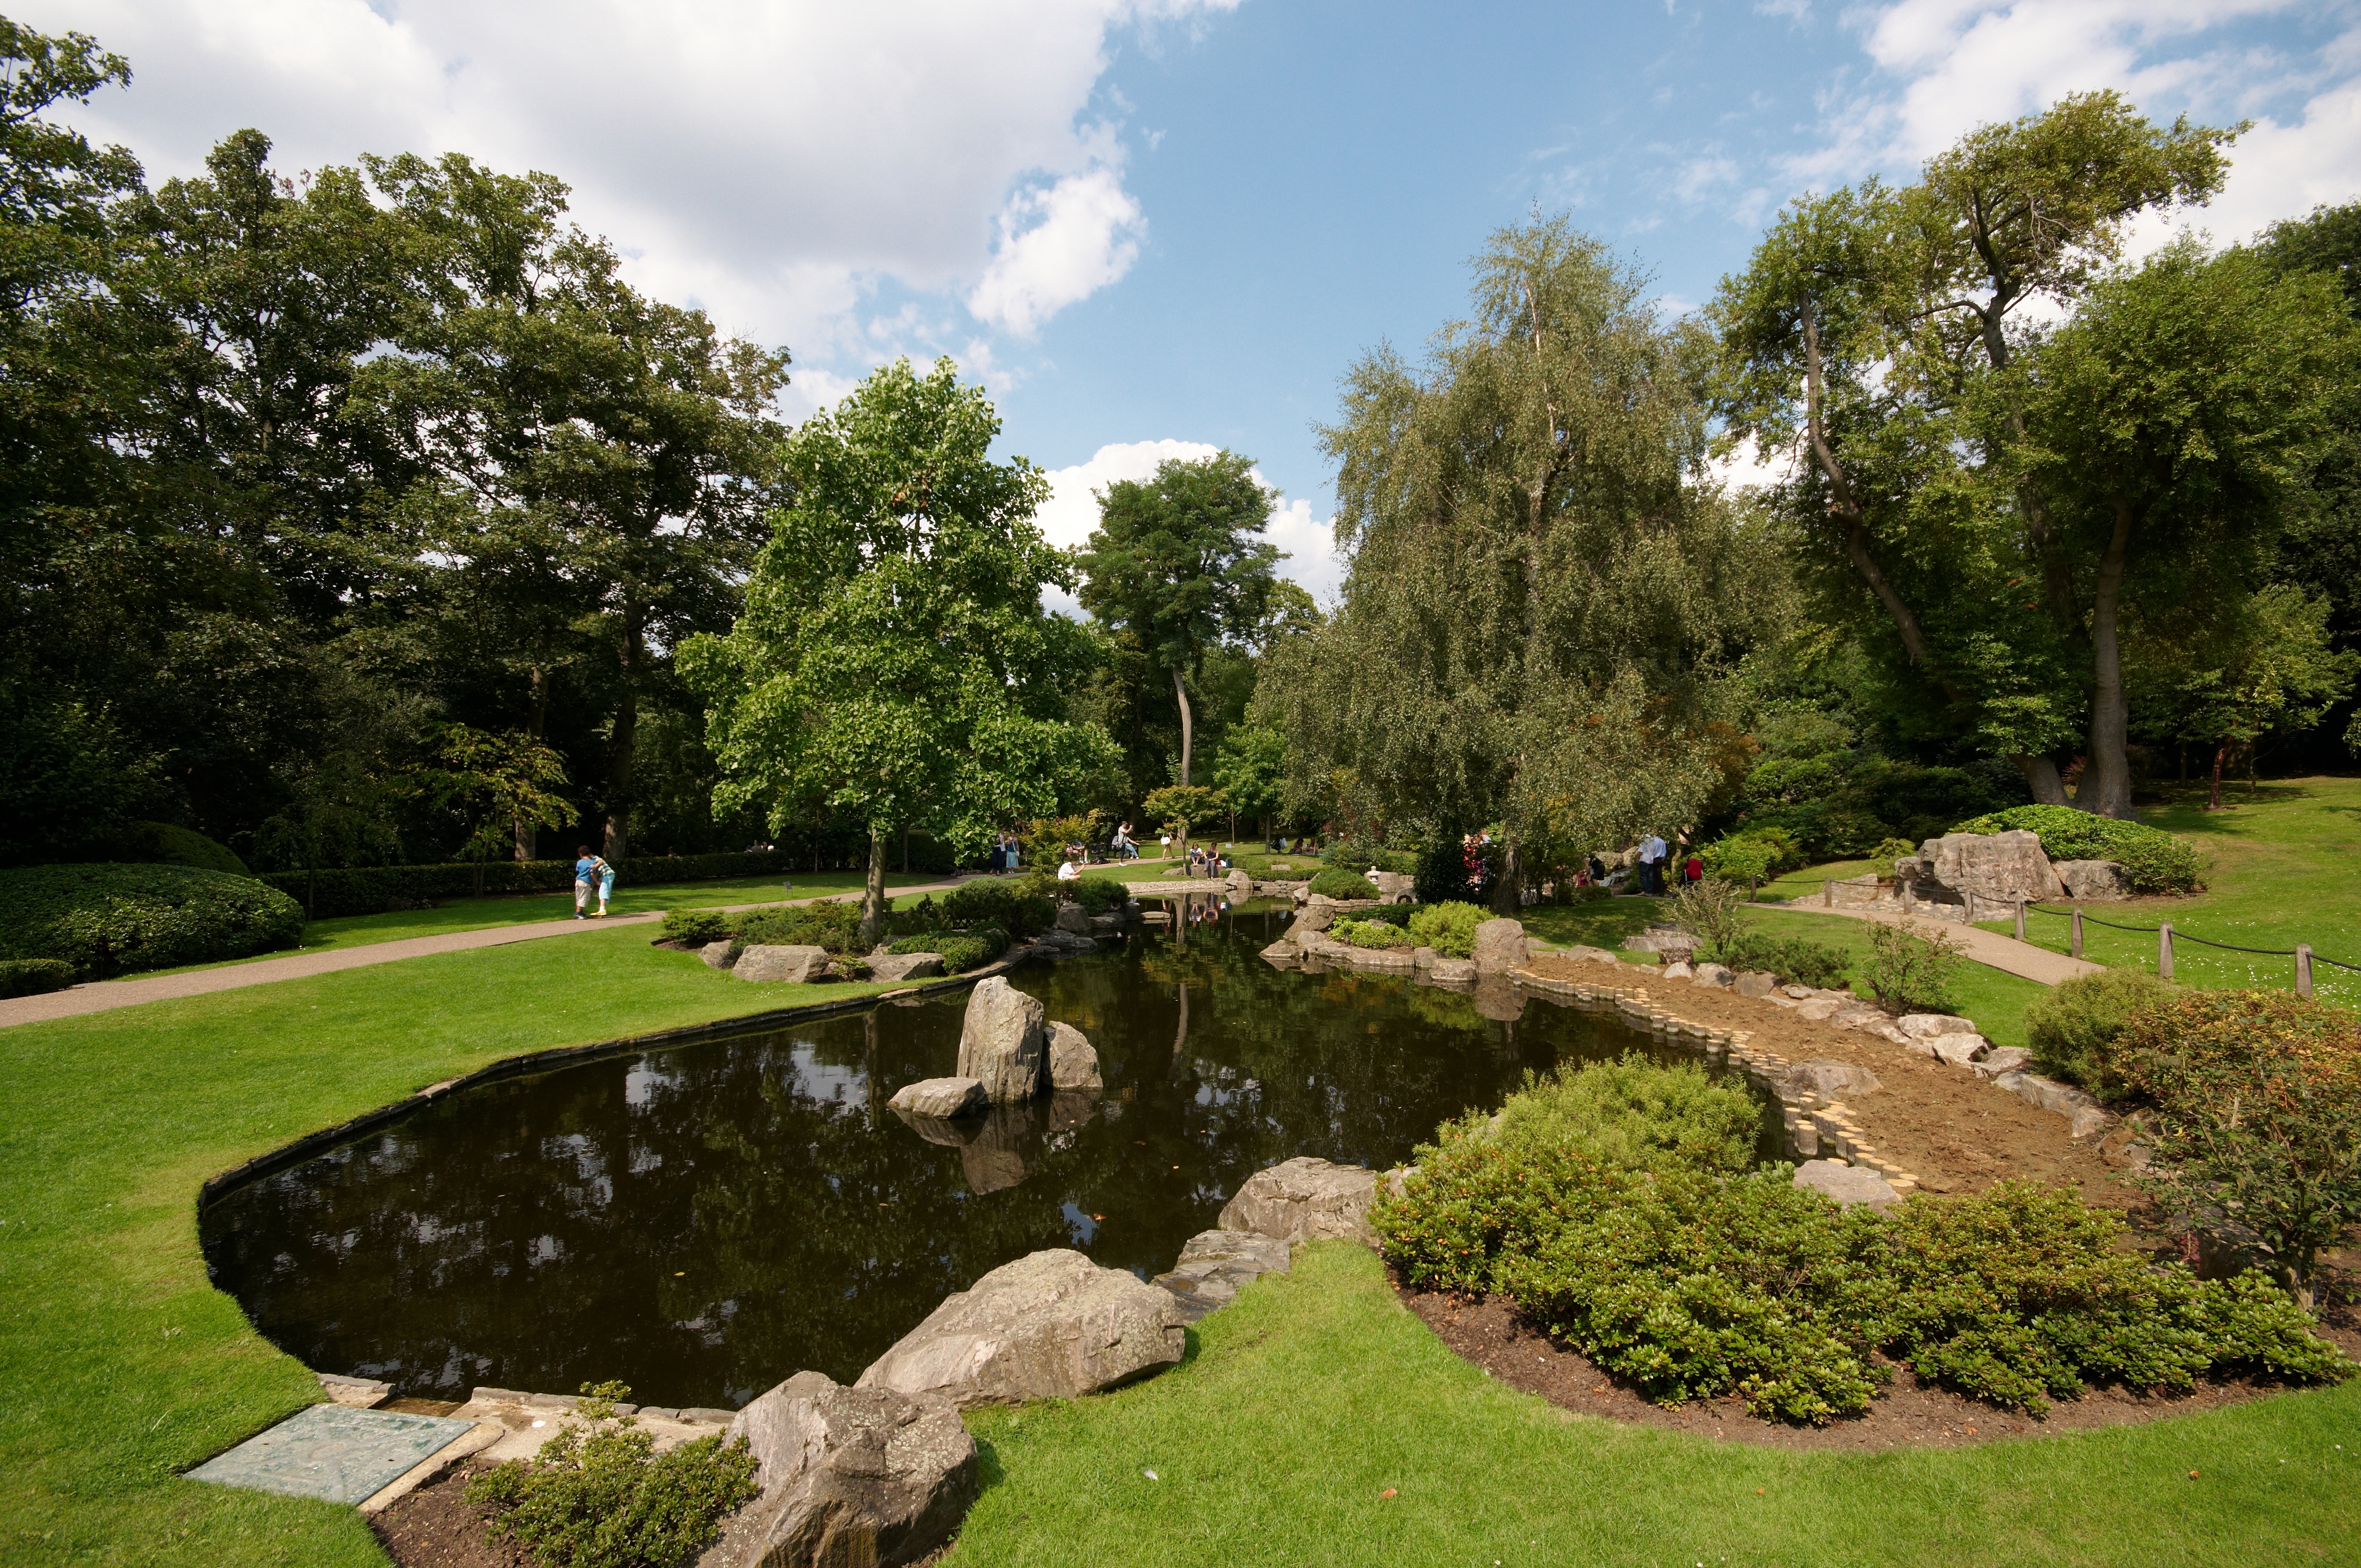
{"x":1305,"y":1200}
{"x":1002,"y":1042}
{"x":1073,"y":1060}
{"x":1052,"y":1326}
{"x":904,"y":966}
{"x":791,"y":966}
{"x":848,"y":1475}
{"x":940,"y":1098}
{"x":1500,"y":947}
{"x":2093,"y":882}
{"x":1848,"y":1184}
{"x":2004,"y":867}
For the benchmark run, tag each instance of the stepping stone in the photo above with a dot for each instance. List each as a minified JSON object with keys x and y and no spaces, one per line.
{"x":333,"y":1453}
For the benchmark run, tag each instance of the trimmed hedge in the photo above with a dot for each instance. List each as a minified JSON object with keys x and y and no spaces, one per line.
{"x":372,"y":890}
{"x":1342,"y":885}
{"x":32,"y":977}
{"x":163,"y":844}
{"x":2157,"y":861}
{"x":109,"y":918}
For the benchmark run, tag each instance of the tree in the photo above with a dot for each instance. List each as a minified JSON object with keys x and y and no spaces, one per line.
{"x":1175,"y":566}
{"x":1540,"y":595}
{"x":1177,"y":806}
{"x":496,"y":783}
{"x":893,"y":661}
{"x":1251,"y":771}
{"x":2270,"y":667}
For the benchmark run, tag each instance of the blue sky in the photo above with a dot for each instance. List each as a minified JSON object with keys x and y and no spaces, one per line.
{"x":1157,"y":227}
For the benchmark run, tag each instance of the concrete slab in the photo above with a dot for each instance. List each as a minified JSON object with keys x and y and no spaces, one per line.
{"x":333,"y":1453}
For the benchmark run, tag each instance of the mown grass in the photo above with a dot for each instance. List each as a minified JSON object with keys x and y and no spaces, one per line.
{"x":1995,"y":998}
{"x":120,"y":1365}
{"x":1316,"y":1391}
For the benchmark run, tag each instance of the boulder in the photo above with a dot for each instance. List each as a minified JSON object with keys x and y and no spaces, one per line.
{"x":2004,"y":867}
{"x":2002,"y":1058}
{"x":941,"y":1098}
{"x":721,"y":954}
{"x":792,"y":966}
{"x":1501,"y":945}
{"x":1828,"y":1079}
{"x":1059,"y":944}
{"x":1213,"y":1265}
{"x":1714,"y":976}
{"x":1002,"y":1042}
{"x":1680,"y":969}
{"x":1960,"y":1050}
{"x":1051,"y":1325}
{"x":1669,"y":940}
{"x":1927,"y":1025}
{"x":1073,"y":1062}
{"x":1392,"y":887}
{"x":864,"y":1475}
{"x":904,"y":966}
{"x":1075,"y":919}
{"x":2086,"y":1115}
{"x":1798,"y":993}
{"x":1312,"y":918}
{"x":1848,"y":1184}
{"x":1756,"y":983}
{"x":1452,"y":971}
{"x":1589,"y":955}
{"x":1305,"y":1200}
{"x":2095,"y":881}
{"x":1819,"y":1008}
{"x":1281,"y":953}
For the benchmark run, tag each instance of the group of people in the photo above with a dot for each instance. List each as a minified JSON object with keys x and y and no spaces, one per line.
{"x":1654,"y":855}
{"x":1204,"y":862}
{"x":591,"y":871}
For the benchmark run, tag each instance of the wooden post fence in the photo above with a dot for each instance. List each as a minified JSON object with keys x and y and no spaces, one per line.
{"x":2304,"y":969}
{"x":2020,"y":920}
{"x":2076,"y":945}
{"x":1827,"y":892}
{"x":2164,"y":949}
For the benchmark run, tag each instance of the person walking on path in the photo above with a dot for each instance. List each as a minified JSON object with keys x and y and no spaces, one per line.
{"x":586,"y":867}
{"x":606,"y":886}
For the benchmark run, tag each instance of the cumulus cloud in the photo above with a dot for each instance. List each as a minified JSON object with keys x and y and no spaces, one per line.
{"x":774,"y":160}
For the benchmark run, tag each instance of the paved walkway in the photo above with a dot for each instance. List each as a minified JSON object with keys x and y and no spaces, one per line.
{"x":2003,"y":953}
{"x":100,"y":996}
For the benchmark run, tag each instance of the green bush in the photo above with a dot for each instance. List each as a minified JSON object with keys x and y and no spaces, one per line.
{"x":1634,"y":1112}
{"x":1891,"y":850}
{"x":1354,"y":855}
{"x":33,"y":977}
{"x":372,"y":890}
{"x":598,"y":1496}
{"x":1708,"y":910}
{"x":1752,"y":857}
{"x":1010,"y":905}
{"x":108,"y":920}
{"x":834,"y":925}
{"x":1796,"y":961}
{"x":2157,"y":862}
{"x":1099,"y":894}
{"x":1338,"y":883}
{"x":2076,"y":1028}
{"x":1371,"y":934}
{"x":1448,"y":928}
{"x":1909,"y":969}
{"x":696,"y":926}
{"x":960,"y":950}
{"x":164,"y":844}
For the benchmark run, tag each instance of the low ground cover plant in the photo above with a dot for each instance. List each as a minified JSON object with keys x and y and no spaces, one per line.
{"x":1911,"y":968}
{"x":834,"y":925}
{"x":1796,"y":961}
{"x":2157,"y":861}
{"x":1338,"y":883}
{"x":694,"y":927}
{"x":598,"y":1496}
{"x":1615,"y":1206}
{"x":1449,"y":928}
{"x":2076,"y":1028}
{"x":108,"y":920}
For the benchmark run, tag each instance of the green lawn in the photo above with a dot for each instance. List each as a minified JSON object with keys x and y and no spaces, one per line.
{"x":120,"y":1365}
{"x":1316,"y":1391}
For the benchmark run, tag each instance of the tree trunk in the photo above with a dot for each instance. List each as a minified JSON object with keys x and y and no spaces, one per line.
{"x":2106,"y":786}
{"x":2221,"y":755}
{"x":873,"y":892}
{"x":528,"y":834}
{"x":1180,"y":694}
{"x":2041,"y":778}
{"x":1508,"y":889}
{"x":624,"y":743}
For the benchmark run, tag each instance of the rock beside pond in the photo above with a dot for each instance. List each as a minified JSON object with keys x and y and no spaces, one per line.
{"x":1213,"y":1265}
{"x":1500,"y":947}
{"x":1002,"y":1042}
{"x":1848,"y":1184}
{"x":1075,"y":919}
{"x":867,"y":1476}
{"x":720,"y":954}
{"x":941,"y":1098}
{"x":1305,"y":1200}
{"x":1282,"y":953}
{"x":905,"y":966}
{"x":790,"y":966}
{"x":1052,"y":1326}
{"x":1073,"y":1060}
{"x":1452,"y":971}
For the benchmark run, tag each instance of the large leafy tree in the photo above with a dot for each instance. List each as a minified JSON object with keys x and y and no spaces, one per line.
{"x":1542,"y":595}
{"x":1176,"y":569}
{"x":893,"y":661}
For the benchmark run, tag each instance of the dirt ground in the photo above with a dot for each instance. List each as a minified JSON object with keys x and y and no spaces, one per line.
{"x":1952,"y":1130}
{"x":1908,"y":1414}
{"x":436,"y":1526}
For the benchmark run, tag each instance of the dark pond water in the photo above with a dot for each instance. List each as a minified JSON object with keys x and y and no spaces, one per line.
{"x":702,"y":1221}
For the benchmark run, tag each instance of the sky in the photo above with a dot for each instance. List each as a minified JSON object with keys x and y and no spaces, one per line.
{"x":1156,"y":228}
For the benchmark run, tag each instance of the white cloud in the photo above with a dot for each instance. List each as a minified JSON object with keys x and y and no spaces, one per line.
{"x":1072,"y":511}
{"x":774,"y":160}
{"x":1748,"y":468}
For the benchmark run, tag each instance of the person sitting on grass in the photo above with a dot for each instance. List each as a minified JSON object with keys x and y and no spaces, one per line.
{"x":1068,"y":870}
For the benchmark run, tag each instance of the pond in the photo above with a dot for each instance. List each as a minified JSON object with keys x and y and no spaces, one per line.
{"x":701,"y":1221}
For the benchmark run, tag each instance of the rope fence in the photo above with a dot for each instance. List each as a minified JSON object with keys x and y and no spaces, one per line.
{"x":2166,"y":937}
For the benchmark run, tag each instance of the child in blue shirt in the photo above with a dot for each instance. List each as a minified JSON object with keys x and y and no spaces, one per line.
{"x":586,"y":872}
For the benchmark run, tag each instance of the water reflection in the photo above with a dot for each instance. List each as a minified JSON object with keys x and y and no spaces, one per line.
{"x":702,"y":1221}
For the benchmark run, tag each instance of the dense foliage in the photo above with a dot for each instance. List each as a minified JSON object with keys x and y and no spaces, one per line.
{"x":1910,"y":969}
{"x":1099,"y":894}
{"x":598,"y":1496}
{"x":115,"y":919}
{"x":1448,"y":927}
{"x":1008,"y":905}
{"x":1371,"y":934}
{"x":2158,"y":860}
{"x":1615,"y":1205}
{"x":2076,"y":1028}
{"x":1334,"y":882}
{"x":32,"y":977}
{"x":960,"y":951}
{"x":1796,"y":961}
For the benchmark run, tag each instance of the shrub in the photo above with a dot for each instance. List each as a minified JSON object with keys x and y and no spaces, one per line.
{"x":598,"y":1496}
{"x":2075,"y":1028}
{"x":1371,"y":934}
{"x":2156,"y":861}
{"x":1752,"y":857}
{"x":834,"y":925}
{"x":1099,"y":894}
{"x":164,"y":844}
{"x":1796,"y":961}
{"x":369,"y":889}
{"x":1891,"y":850}
{"x":110,"y":919}
{"x":1910,"y":968}
{"x":694,"y":926}
{"x":1635,"y":1112}
{"x":32,"y":977}
{"x":960,"y":950}
{"x":1448,"y":928}
{"x":1012,"y":906}
{"x":1354,"y":855}
{"x":1342,"y":885}
{"x":1708,"y":910}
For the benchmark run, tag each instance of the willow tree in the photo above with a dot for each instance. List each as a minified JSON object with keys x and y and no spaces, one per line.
{"x":894,"y":662}
{"x":1542,"y":591}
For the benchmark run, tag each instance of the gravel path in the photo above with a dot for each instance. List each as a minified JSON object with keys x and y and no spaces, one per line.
{"x":99,"y":996}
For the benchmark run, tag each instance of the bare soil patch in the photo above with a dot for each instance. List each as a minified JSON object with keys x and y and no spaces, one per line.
{"x":436,"y":1526}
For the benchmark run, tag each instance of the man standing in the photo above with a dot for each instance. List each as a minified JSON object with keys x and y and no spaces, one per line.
{"x":1652,"y":864}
